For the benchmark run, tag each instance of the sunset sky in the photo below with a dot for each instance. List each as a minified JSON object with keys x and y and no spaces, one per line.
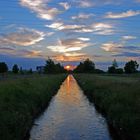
{"x":69,"y":31}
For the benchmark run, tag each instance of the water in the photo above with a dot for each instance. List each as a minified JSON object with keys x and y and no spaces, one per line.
{"x":70,"y":116}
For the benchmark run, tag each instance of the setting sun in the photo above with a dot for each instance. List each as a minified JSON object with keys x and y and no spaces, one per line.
{"x":68,"y":67}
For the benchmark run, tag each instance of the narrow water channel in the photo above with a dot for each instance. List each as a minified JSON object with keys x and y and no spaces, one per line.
{"x":70,"y":116}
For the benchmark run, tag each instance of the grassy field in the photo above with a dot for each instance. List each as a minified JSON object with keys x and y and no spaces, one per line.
{"x":23,"y":99}
{"x":118,"y":97}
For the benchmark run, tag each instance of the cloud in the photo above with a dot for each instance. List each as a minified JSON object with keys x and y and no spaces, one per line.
{"x":72,"y":57}
{"x":82,"y":16}
{"x":41,"y":8}
{"x":55,"y":25}
{"x":132,"y":48}
{"x":20,"y":52}
{"x":84,"y":39}
{"x":127,"y":54}
{"x":69,"y":45}
{"x":85,"y":3}
{"x":65,"y":5}
{"x":111,"y":46}
{"x":50,"y":34}
{"x":31,"y":53}
{"x":61,"y":26}
{"x":22,"y":37}
{"x":96,"y":28}
{"x":93,"y":3}
{"x":126,"y":14}
{"x":129,"y":37}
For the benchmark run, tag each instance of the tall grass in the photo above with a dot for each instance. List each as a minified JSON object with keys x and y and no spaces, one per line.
{"x":21,"y":100}
{"x":118,"y":97}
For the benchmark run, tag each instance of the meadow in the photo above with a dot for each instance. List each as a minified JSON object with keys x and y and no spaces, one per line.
{"x":21,"y":100}
{"x":118,"y":98}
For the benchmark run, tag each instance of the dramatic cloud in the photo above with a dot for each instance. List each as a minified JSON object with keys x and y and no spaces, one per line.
{"x":22,"y":37}
{"x":41,"y":8}
{"x":84,"y":39}
{"x":65,"y":5}
{"x":132,"y":48}
{"x":72,"y":57}
{"x":20,"y":52}
{"x":85,"y":3}
{"x":69,"y":45}
{"x":82,"y":16}
{"x":61,"y":26}
{"x":110,"y":46}
{"x":127,"y":54}
{"x":126,"y":14}
{"x":129,"y":37}
{"x":96,"y":28}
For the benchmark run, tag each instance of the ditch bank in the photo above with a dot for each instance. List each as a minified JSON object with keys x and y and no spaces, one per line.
{"x":117,"y":99}
{"x":22,"y":100}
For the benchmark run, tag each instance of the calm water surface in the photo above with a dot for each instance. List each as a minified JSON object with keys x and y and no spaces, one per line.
{"x":70,"y":116}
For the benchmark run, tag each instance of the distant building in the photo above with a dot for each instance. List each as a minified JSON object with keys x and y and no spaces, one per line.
{"x":40,"y":69}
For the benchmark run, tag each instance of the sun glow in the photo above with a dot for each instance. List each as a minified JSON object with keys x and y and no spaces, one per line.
{"x":68,"y":67}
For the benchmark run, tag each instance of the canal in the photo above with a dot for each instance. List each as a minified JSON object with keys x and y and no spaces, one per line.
{"x":70,"y":116}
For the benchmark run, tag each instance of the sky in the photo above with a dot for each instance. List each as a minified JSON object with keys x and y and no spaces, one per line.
{"x":69,"y":31}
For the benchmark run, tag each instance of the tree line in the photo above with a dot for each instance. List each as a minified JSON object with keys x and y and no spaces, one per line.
{"x":15,"y":69}
{"x":86,"y":66}
{"x":50,"y":67}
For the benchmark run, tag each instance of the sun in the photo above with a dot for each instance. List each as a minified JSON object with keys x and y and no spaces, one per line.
{"x":68,"y":67}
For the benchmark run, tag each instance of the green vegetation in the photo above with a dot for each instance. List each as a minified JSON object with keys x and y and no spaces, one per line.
{"x":23,"y":99}
{"x":3,"y":67}
{"x":131,"y":67}
{"x":52,"y":67}
{"x":15,"y":69}
{"x":118,"y":97}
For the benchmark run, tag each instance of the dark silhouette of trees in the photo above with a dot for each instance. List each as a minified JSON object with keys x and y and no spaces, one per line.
{"x":30,"y":71}
{"x":131,"y":67}
{"x":21,"y":70}
{"x":115,"y":64}
{"x":119,"y":71}
{"x":98,"y":71}
{"x":51,"y":67}
{"x":3,"y":67}
{"x":15,"y":69}
{"x":114,"y":68}
{"x":111,"y":69}
{"x":85,"y":67}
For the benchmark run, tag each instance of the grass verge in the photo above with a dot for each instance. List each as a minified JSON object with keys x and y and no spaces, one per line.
{"x":118,"y":98}
{"x":21,"y":100}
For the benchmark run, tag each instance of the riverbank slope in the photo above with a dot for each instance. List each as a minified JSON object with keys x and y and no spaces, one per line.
{"x":21,"y":100}
{"x":118,"y":97}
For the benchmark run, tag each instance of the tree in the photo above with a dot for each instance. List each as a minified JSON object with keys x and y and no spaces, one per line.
{"x":21,"y":70}
{"x":111,"y":69}
{"x":131,"y":67}
{"x":15,"y":69}
{"x":119,"y":71}
{"x":89,"y":66}
{"x":85,"y":67}
{"x":3,"y":67}
{"x":114,"y":68}
{"x":30,"y":71}
{"x":51,"y":67}
{"x":115,"y":64}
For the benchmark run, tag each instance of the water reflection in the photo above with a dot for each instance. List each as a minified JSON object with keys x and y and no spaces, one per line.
{"x":70,"y":117}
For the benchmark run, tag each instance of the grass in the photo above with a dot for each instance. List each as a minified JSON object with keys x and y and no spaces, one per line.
{"x":118,"y":97}
{"x":21,"y":100}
